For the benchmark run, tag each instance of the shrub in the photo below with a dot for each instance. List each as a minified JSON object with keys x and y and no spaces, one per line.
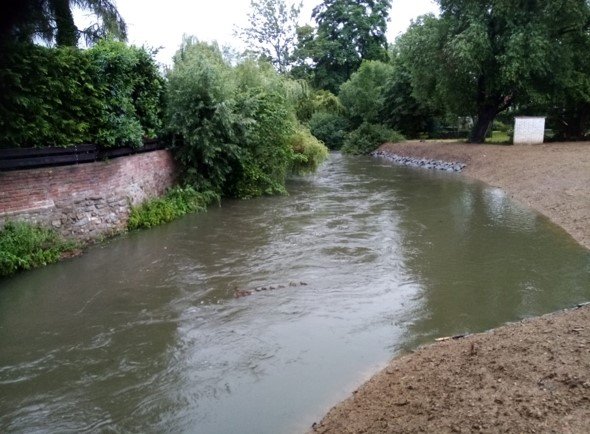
{"x":232,"y":125}
{"x":318,"y":101}
{"x":109,"y":95}
{"x":309,"y":151}
{"x":362,"y":94}
{"x":177,"y":202}
{"x":131,"y":94}
{"x":330,"y":128}
{"x":368,"y":137}
{"x":24,"y":246}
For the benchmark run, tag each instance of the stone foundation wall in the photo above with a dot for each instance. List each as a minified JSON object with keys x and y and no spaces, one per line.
{"x":85,"y":201}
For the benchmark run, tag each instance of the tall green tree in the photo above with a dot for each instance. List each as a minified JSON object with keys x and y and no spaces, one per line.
{"x":348,"y":32}
{"x":482,"y":57}
{"x":400,"y":109}
{"x":362,"y":95}
{"x":271,"y":31}
{"x":53,"y":21}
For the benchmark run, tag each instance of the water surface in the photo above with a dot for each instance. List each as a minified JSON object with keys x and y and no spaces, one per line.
{"x":143,"y":333}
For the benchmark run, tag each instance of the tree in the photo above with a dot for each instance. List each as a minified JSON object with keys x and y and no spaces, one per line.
{"x":483,"y":57}
{"x":400,"y":110}
{"x":362,"y":94}
{"x":348,"y":32}
{"x":53,"y":21}
{"x":271,"y":33}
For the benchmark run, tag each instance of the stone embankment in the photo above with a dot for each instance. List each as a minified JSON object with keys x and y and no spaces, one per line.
{"x":424,"y":163}
{"x":85,"y":201}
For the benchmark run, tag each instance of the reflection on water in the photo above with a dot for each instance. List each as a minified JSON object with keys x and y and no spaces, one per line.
{"x":144,"y":334}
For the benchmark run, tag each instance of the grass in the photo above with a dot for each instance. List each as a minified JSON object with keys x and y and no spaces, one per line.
{"x":177,"y":202}
{"x":24,"y":246}
{"x":499,"y":137}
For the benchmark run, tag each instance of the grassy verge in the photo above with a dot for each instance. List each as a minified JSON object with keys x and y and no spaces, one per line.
{"x":24,"y":246}
{"x":177,"y":202}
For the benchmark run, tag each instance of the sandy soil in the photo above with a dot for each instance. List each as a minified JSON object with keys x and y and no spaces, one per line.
{"x":532,"y":376}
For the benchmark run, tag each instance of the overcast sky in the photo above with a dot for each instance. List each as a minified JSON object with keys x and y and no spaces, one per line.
{"x":157,"y":23}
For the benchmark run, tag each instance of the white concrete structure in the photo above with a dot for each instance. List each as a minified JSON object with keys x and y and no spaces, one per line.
{"x":529,"y":130}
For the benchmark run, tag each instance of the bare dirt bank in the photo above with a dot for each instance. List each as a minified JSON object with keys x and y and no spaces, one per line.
{"x":532,"y":376}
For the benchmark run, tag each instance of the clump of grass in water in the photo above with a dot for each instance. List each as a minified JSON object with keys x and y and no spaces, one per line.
{"x":177,"y":202}
{"x":24,"y":246}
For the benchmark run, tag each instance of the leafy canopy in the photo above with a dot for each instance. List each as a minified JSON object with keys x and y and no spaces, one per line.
{"x":110,"y":95}
{"x":53,"y":21}
{"x":235,"y":127}
{"x":483,"y":57}
{"x":271,"y":31}
{"x":348,"y":32}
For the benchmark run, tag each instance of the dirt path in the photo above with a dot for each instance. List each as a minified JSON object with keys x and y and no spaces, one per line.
{"x":532,"y":376}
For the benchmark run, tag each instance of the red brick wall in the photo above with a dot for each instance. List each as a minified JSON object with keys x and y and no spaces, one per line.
{"x":85,"y":200}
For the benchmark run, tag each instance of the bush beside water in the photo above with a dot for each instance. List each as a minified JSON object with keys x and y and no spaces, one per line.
{"x":368,"y":137}
{"x":24,"y":246}
{"x":235,"y":127}
{"x":177,"y":202}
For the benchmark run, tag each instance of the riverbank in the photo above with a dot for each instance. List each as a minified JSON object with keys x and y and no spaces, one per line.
{"x":532,"y":376}
{"x":552,"y":178}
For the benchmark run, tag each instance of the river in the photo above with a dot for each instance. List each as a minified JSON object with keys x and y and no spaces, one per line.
{"x":369,"y":260}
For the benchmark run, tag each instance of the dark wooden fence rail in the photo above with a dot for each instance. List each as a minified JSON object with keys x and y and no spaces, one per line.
{"x":28,"y":158}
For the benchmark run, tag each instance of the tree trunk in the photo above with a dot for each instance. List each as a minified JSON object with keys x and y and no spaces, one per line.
{"x":485,"y":117}
{"x":67,"y":32}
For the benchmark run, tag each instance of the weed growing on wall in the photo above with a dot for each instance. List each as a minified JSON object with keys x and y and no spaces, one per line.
{"x":24,"y":246}
{"x":176,"y":203}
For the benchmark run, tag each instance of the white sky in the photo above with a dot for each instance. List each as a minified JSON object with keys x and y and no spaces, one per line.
{"x":155,"y":23}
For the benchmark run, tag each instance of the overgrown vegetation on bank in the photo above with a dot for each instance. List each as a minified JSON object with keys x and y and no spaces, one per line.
{"x":24,"y":246}
{"x":235,"y":127}
{"x":176,"y":203}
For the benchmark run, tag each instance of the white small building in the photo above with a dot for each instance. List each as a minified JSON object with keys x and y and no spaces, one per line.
{"x":529,"y":130}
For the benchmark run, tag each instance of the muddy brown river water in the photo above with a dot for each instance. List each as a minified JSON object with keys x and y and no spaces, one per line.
{"x":144,"y":334}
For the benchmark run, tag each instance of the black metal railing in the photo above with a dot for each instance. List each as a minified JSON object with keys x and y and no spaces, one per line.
{"x":29,"y":158}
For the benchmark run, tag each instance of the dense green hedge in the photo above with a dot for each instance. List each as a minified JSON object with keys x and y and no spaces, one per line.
{"x":110,"y":95}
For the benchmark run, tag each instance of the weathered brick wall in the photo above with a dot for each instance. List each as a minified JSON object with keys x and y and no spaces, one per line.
{"x":85,"y":201}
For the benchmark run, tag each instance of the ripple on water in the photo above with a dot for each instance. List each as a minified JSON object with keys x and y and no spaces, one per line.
{"x":145,"y":334}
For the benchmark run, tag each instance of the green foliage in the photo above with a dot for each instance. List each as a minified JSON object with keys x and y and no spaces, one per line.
{"x":400,"y":109}
{"x":109,"y":95}
{"x":368,"y":137}
{"x":24,"y":246}
{"x":330,"y":128}
{"x":480,"y":58}
{"x":271,"y":31}
{"x":233,"y":125}
{"x":309,"y":151}
{"x":132,"y":94}
{"x":177,"y":202}
{"x":53,"y":21}
{"x":362,"y":94}
{"x":348,"y":32}
{"x":319,"y":100}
